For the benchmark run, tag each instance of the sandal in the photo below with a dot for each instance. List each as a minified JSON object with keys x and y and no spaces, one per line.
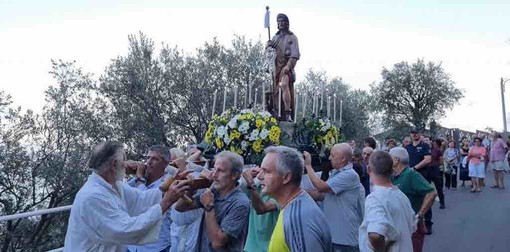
{"x":495,"y":186}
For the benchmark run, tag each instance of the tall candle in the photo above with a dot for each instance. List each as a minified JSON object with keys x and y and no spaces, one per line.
{"x":224,"y":99}
{"x":263,"y":96}
{"x":329,"y":105}
{"x":334,"y":108}
{"x":255,"y":100}
{"x":313,"y":104}
{"x":235,"y":97}
{"x":279,"y":101}
{"x":214,"y":103}
{"x":322,"y":100}
{"x":296,"y":105}
{"x":304,"y":105}
{"x":341,"y":107}
{"x":249,"y":94}
{"x":314,"y":107}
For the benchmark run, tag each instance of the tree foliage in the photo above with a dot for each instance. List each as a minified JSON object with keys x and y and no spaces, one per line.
{"x":43,"y":158}
{"x":415,"y":94}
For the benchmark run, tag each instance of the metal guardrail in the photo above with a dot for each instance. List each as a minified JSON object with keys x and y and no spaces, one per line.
{"x":37,"y":213}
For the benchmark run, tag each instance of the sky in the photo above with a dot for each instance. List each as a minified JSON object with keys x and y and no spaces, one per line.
{"x":354,"y":40}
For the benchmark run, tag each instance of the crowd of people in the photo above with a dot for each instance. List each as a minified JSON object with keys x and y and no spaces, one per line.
{"x":374,"y":199}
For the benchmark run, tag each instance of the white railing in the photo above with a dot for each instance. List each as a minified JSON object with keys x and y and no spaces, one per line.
{"x":37,"y":213}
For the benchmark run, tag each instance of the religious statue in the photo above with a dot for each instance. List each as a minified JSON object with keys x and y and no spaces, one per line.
{"x":286,"y":50}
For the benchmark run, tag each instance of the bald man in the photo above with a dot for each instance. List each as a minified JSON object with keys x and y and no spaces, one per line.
{"x":344,"y":197}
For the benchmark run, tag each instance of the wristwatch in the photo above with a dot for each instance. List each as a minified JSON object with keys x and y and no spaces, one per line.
{"x":140,"y":179}
{"x":209,"y":207}
{"x":252,"y":187}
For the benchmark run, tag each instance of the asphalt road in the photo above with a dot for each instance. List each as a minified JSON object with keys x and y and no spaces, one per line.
{"x":477,"y":222}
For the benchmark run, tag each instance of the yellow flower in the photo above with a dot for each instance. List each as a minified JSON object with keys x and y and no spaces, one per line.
{"x":267,"y":119}
{"x":234,"y":134}
{"x":257,"y":146}
{"x":249,"y":116}
{"x":219,"y":143}
{"x":259,"y":123}
{"x":273,"y":120}
{"x":274,"y":134}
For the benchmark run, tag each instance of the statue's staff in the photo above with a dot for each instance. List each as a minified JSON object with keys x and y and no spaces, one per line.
{"x":266,"y":23}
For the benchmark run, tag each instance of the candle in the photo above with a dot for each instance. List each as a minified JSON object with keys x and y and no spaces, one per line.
{"x":313,"y":104}
{"x":279,"y":100}
{"x":263,"y":96}
{"x":224,"y":99}
{"x":255,"y":100}
{"x":329,"y":105}
{"x":214,"y":103}
{"x":235,"y":97}
{"x":334,"y":108}
{"x":304,"y":105}
{"x":249,"y":94}
{"x":322,"y":99}
{"x":296,"y":105}
{"x":341,"y":107}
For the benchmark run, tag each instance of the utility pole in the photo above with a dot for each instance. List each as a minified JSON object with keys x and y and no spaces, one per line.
{"x":503,"y":81}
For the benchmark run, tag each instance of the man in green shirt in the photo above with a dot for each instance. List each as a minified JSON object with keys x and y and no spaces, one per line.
{"x":416,"y":188}
{"x":263,"y":213}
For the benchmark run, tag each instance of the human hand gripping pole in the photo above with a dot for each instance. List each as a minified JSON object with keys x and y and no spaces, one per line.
{"x":173,"y":193}
{"x":183,"y":176}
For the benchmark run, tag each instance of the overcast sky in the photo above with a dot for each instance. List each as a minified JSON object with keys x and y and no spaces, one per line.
{"x":350,"y":39}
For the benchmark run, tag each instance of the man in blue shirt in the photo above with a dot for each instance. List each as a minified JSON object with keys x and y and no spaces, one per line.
{"x":224,"y":223}
{"x":150,"y":176}
{"x":419,"y":159}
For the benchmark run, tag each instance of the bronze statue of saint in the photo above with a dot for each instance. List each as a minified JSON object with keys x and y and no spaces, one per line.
{"x":285,"y":43}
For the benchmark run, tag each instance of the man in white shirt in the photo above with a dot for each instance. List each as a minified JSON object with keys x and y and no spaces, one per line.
{"x":389,"y":218}
{"x":344,"y":198}
{"x":107,"y":214}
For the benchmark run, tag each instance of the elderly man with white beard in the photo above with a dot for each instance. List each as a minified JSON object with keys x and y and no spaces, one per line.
{"x":107,"y":214}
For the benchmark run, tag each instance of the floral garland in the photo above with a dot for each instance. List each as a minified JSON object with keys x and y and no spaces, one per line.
{"x":246,"y":133}
{"x":324,"y":132}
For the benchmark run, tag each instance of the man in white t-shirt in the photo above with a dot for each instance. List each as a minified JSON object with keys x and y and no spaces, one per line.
{"x":389,"y":218}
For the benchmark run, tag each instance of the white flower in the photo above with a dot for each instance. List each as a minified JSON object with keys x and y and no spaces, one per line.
{"x":244,"y":144}
{"x":220,"y":131}
{"x":244,"y":127}
{"x":264,"y":114}
{"x":264,"y":133}
{"x":328,"y":124}
{"x":226,"y":139}
{"x":254,"y":135}
{"x":232,"y":123}
{"x":246,"y":111}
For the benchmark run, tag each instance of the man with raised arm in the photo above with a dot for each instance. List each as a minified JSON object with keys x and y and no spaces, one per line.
{"x":344,"y":198}
{"x":263,"y":213}
{"x":225,"y":221}
{"x":108,"y":214}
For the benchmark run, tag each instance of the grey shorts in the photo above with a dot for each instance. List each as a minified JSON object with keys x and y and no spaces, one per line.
{"x":497,"y":165}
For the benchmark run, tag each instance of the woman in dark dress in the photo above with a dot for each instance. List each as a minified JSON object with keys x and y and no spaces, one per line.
{"x":434,"y":173}
{"x":464,"y":171}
